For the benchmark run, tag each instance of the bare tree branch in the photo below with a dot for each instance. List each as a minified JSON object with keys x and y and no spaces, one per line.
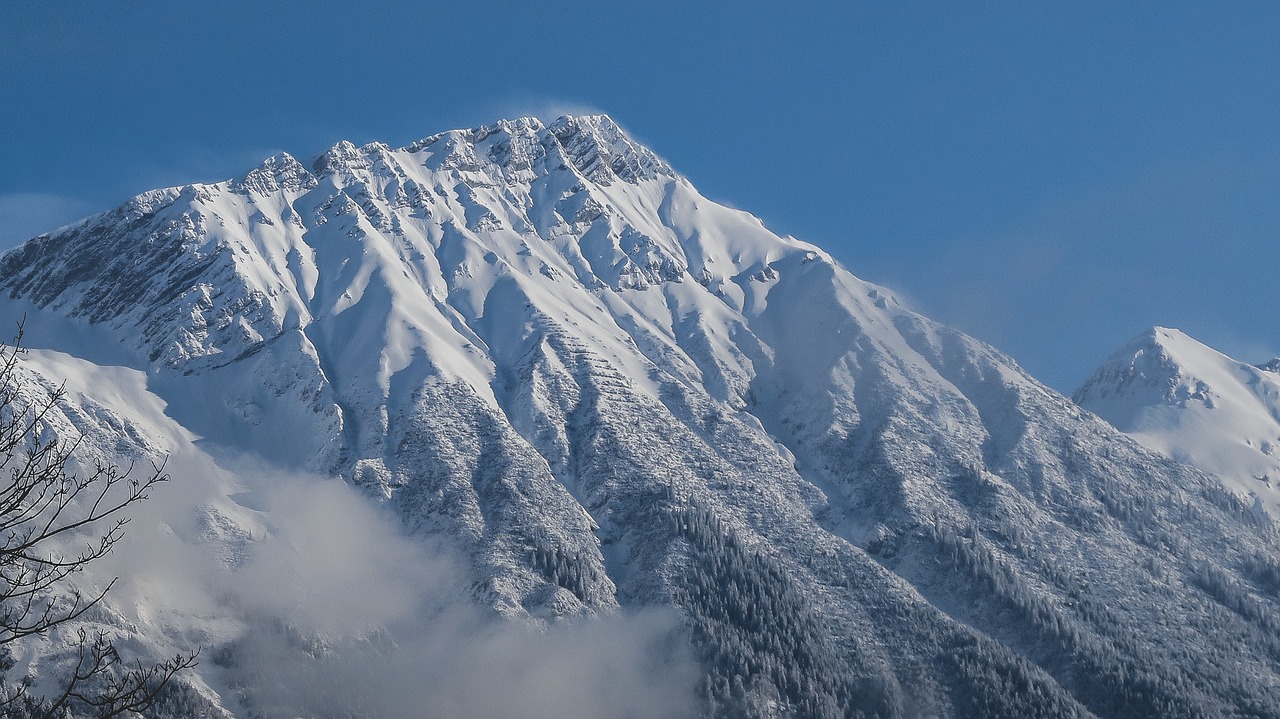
{"x":42,"y":504}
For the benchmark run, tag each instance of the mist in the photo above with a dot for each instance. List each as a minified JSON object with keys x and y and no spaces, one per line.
{"x":307,"y":599}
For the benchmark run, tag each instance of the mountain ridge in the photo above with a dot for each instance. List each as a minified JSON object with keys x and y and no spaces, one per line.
{"x":606,"y":391}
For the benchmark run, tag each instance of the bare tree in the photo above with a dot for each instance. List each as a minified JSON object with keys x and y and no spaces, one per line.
{"x":44,"y":508}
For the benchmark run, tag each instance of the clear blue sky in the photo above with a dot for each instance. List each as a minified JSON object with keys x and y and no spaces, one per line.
{"x":1050,"y":179}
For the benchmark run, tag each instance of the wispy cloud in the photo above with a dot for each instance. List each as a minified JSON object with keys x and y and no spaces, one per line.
{"x":24,"y":215}
{"x":1062,"y":285}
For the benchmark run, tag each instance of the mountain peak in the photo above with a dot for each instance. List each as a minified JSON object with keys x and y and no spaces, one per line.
{"x":1191,"y":402}
{"x":1155,"y":338}
{"x":231,"y":264}
{"x":601,"y":149}
{"x":593,"y":145}
{"x":278,"y":172}
{"x":522,"y":125}
{"x":1170,"y":337}
{"x":1160,"y":365}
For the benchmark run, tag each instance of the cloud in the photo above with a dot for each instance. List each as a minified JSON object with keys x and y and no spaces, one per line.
{"x":24,"y":215}
{"x":309,"y":600}
{"x":1061,"y":284}
{"x":461,"y":664}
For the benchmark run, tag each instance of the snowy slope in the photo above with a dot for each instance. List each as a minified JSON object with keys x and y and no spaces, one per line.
{"x":1196,"y":405}
{"x":110,"y":416}
{"x":540,"y":346}
{"x":300,"y":579}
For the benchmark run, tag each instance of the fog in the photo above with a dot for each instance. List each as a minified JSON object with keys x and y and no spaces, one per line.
{"x":306,"y":599}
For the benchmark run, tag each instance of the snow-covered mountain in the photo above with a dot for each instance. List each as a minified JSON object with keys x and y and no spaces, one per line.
{"x":544,"y":350}
{"x":1196,"y":405}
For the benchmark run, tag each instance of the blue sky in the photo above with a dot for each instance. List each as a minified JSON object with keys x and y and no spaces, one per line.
{"x":1050,"y":179}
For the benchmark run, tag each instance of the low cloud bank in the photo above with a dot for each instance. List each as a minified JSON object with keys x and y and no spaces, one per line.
{"x":308,"y":600}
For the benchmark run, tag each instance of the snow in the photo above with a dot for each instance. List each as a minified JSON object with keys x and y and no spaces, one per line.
{"x":540,"y":347}
{"x":1196,"y":405}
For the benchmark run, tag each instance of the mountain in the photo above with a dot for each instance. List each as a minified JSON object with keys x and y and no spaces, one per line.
{"x":1196,"y":405}
{"x":543,"y":351}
